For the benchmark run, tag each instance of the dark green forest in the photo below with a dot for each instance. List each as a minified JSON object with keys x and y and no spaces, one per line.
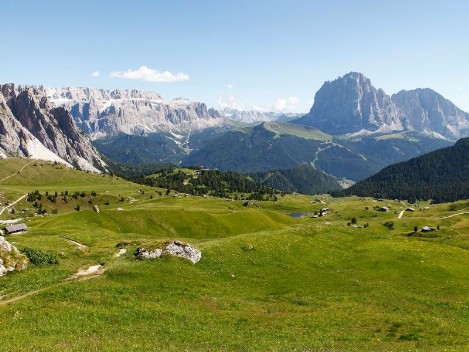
{"x":302,"y":179}
{"x":440,"y":176}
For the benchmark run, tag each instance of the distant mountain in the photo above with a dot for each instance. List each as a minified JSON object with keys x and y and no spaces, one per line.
{"x":428,"y":112}
{"x":274,"y":146}
{"x":251,"y":116}
{"x":442,"y":175}
{"x":352,"y":105}
{"x":103,"y":113}
{"x":302,"y":179}
{"x":31,"y":127}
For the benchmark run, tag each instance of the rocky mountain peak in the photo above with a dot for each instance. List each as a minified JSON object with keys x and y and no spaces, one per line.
{"x":429,"y":112}
{"x":100,"y":113}
{"x":351,"y":104}
{"x":30,"y":127}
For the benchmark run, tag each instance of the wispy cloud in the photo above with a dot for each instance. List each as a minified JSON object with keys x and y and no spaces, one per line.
{"x":144,"y":73}
{"x":229,"y":86}
{"x":288,"y":104}
{"x":95,"y":74}
{"x":230,"y":103}
{"x":281,"y":105}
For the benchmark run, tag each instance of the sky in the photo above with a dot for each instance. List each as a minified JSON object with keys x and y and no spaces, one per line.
{"x":267,"y":55}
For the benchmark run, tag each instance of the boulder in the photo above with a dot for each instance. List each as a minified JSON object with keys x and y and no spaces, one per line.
{"x":10,"y":258}
{"x":175,"y":248}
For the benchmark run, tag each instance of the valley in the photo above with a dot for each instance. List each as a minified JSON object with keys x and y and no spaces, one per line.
{"x":356,"y":278}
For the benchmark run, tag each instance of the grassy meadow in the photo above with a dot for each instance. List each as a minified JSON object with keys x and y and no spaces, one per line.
{"x":266,"y":280}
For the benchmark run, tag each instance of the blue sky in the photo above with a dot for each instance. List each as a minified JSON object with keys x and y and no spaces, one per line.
{"x":271,"y":55}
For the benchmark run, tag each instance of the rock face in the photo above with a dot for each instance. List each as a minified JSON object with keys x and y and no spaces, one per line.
{"x":10,"y":258}
{"x":351,"y":104}
{"x":100,"y":113}
{"x":427,"y":111}
{"x":31,"y":127}
{"x":175,"y":248}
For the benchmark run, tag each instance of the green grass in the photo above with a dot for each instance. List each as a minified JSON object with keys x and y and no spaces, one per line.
{"x":297,"y":130}
{"x":266,"y":281}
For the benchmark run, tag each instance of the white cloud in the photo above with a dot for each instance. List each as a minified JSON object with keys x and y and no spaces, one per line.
{"x":231,"y":103}
{"x":229,"y":86}
{"x":145,"y":73}
{"x":261,"y":108}
{"x":95,"y":74}
{"x":285,"y":105}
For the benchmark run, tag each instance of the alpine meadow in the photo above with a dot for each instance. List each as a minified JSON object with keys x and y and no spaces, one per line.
{"x":244,"y":175}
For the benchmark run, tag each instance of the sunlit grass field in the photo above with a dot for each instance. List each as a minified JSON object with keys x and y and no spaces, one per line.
{"x":266,"y":281}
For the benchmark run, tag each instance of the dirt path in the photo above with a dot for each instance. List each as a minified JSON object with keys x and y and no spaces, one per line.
{"x":450,"y":216}
{"x":88,"y":276}
{"x":10,"y":205}
{"x":92,"y":270}
{"x":78,"y":244}
{"x":400,"y":214}
{"x":16,"y":173}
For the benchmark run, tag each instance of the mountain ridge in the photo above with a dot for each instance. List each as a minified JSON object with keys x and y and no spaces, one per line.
{"x":350,"y":104}
{"x":31,"y":127}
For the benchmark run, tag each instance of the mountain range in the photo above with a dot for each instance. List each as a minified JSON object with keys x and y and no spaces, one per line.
{"x":352,"y":131}
{"x":352,"y":105}
{"x":31,"y":127}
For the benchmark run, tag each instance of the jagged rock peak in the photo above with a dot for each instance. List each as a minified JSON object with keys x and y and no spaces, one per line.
{"x":352,"y":104}
{"x":100,"y":113}
{"x":31,"y":127}
{"x":86,"y":94}
{"x":431,"y":113}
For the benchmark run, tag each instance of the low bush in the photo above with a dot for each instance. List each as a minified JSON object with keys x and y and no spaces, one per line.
{"x":37,"y":256}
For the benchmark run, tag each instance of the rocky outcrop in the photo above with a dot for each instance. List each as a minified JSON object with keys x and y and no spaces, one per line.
{"x":101,"y":113}
{"x":10,"y":258}
{"x":351,"y":104}
{"x":31,"y":127}
{"x":174,"y":248}
{"x":427,"y":111}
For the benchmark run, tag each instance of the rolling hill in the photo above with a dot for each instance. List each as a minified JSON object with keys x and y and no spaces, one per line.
{"x":441,"y":176}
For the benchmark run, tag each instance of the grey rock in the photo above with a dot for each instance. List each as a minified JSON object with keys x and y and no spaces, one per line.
{"x":31,"y":127}
{"x":10,"y":258}
{"x":174,"y":248}
{"x":427,"y":111}
{"x":100,"y":113}
{"x":351,"y":104}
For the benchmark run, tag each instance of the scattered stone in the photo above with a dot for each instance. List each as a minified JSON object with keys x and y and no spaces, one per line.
{"x":96,"y":208}
{"x":174,"y":248}
{"x":10,"y":258}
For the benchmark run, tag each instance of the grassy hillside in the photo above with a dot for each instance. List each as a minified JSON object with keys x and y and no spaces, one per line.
{"x":266,"y":281}
{"x":297,"y":131}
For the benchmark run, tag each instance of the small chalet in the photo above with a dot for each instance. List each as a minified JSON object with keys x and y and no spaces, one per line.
{"x":16,"y":228}
{"x":383,"y":209}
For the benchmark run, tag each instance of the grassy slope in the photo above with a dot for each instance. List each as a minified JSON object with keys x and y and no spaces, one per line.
{"x":265,"y":281}
{"x":297,"y":130}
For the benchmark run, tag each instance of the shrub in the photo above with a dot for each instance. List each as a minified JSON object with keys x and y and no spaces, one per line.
{"x":389,"y":225}
{"x":38,"y":257}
